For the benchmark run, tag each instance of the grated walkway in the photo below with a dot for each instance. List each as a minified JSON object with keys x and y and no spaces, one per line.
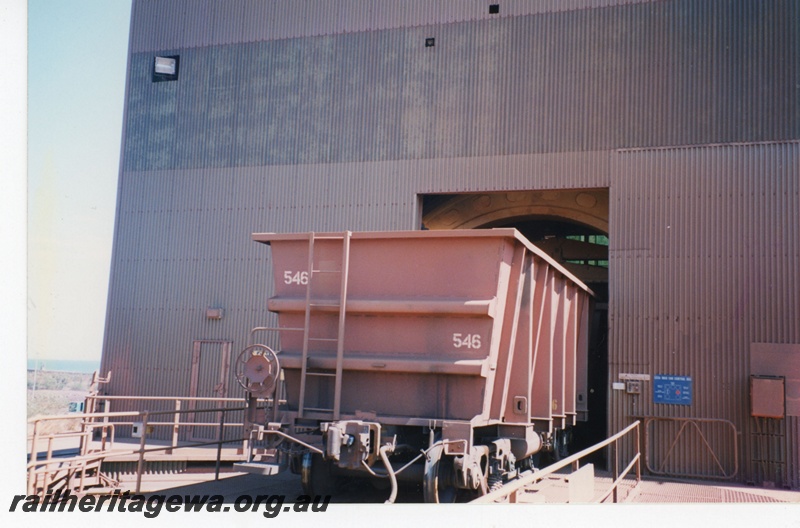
{"x":666,"y":491}
{"x":555,"y":490}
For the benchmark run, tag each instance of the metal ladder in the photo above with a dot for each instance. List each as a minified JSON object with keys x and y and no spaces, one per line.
{"x":339,"y":339}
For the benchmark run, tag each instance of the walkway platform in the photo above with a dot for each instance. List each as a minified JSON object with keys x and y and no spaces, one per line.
{"x":198,"y":478}
{"x":550,"y":491}
{"x":652,"y":490}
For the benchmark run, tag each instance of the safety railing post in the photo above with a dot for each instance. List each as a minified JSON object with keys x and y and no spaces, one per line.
{"x":32,"y":468}
{"x":88,"y":423}
{"x":46,"y":482}
{"x":615,"y":462}
{"x":638,"y":456}
{"x":247,"y":442}
{"x":249,"y":419}
{"x":219,"y":444}
{"x":106,"y":410}
{"x":175,"y":425}
{"x":140,"y":465}
{"x":83,"y":440}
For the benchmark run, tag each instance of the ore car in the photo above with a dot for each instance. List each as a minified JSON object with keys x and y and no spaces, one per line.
{"x":450,"y":358}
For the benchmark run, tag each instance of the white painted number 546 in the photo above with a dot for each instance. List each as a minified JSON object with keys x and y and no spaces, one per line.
{"x":295,"y":277}
{"x":467,"y":341}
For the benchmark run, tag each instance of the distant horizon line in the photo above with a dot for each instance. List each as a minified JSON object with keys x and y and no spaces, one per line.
{"x":86,"y":366}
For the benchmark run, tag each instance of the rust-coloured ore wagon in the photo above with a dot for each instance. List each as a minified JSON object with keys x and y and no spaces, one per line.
{"x":446,"y":357}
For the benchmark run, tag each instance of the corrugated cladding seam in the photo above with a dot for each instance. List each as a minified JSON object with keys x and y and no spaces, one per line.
{"x":704,"y":261}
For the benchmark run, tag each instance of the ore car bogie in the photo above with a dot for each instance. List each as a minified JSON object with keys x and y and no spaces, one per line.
{"x":449,"y":359}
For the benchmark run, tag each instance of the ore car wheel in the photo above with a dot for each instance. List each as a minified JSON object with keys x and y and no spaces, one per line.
{"x":439,"y":481}
{"x":316,"y":476}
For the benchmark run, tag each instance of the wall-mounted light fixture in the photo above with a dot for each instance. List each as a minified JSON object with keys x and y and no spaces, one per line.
{"x":214,"y":313}
{"x":165,"y":68}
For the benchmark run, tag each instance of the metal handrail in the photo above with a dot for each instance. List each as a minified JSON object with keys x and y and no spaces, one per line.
{"x":509,"y":491}
{"x":163,"y":398}
{"x":37,"y":467}
{"x":694,"y":423}
{"x":90,"y":423}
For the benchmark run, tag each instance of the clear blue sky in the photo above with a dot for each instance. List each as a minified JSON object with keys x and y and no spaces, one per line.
{"x":77,"y":57}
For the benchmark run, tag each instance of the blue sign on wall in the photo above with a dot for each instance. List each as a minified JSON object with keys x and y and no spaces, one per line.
{"x":675,"y":390}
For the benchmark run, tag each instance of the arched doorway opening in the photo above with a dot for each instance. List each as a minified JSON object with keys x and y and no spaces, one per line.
{"x":572,"y":227}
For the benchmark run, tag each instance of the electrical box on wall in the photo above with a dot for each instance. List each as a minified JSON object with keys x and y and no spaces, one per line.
{"x":138,"y":429}
{"x":633,"y":387}
{"x":767,"y":396}
{"x":772,"y":361}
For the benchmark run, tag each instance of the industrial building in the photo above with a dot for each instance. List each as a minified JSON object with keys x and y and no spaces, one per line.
{"x":651,"y":147}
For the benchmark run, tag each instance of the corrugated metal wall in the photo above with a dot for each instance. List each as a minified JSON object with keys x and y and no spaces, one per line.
{"x":704,"y":252}
{"x":197,"y":23}
{"x":345,"y":131}
{"x":665,"y":73}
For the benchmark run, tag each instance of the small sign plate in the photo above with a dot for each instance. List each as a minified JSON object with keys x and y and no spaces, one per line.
{"x":674,"y":390}
{"x":634,"y":377}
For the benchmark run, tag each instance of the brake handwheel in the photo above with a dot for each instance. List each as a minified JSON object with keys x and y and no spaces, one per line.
{"x":257,"y":370}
